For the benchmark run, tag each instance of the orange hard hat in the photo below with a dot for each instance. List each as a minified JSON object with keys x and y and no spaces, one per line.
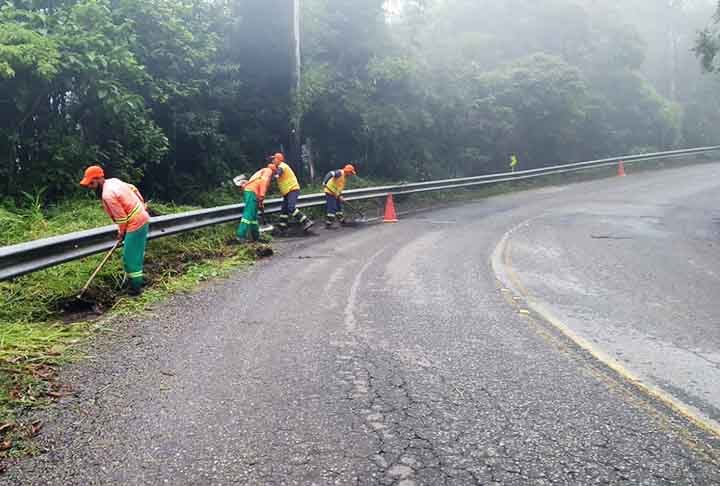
{"x":92,"y":172}
{"x":349,"y":169}
{"x":278,"y":157}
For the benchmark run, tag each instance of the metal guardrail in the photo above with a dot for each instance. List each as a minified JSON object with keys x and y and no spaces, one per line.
{"x":24,"y":258}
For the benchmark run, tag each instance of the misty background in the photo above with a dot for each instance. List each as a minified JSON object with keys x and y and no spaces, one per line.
{"x":180,"y":95}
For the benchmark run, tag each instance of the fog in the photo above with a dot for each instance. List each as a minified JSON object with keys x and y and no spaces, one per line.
{"x":177,"y":95}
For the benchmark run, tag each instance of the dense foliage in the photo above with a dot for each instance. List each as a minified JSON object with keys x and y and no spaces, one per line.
{"x":181,"y":94}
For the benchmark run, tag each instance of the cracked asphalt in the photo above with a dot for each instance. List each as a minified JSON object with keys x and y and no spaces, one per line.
{"x":389,"y":355}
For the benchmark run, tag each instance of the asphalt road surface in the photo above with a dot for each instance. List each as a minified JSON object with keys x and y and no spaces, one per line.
{"x":636,"y":275}
{"x":439,"y":351}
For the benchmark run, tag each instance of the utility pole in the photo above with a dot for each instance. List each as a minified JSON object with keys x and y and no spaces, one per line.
{"x":296,"y":86}
{"x":675,"y":12}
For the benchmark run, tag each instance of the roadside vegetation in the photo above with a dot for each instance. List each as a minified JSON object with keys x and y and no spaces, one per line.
{"x":179,"y":96}
{"x":41,"y":329}
{"x":41,"y":324}
{"x":406,"y":90}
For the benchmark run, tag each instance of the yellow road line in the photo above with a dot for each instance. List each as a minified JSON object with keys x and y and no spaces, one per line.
{"x":501,"y":262}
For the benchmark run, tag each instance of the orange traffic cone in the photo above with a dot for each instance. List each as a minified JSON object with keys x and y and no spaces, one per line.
{"x":621,"y":169}
{"x":390,"y":215}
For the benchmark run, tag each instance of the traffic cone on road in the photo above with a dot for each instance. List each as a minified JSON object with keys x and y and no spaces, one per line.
{"x":390,"y":214}
{"x":621,"y":169}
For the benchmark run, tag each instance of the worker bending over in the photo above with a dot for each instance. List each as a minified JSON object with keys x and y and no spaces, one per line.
{"x":126,"y":207}
{"x":290,"y":191}
{"x":254,"y":191}
{"x":334,"y":183}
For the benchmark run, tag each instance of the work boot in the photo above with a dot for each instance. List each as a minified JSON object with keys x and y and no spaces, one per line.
{"x":308,"y":224}
{"x":329,"y":221}
{"x":135,"y":291}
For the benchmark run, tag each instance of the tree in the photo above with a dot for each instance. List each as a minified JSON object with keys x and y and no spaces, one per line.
{"x":179,"y":95}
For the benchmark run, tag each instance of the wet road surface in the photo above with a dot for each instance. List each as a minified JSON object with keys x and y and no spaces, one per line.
{"x":393,"y":355}
{"x":637,"y":274}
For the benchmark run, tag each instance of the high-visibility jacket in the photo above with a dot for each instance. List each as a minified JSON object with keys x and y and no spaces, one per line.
{"x":125,"y":205}
{"x":335,"y":183}
{"x":260,"y":182}
{"x":287,"y":180}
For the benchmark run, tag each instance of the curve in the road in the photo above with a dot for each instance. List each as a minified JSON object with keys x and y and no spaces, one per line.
{"x":386,"y":356}
{"x":582,"y":263}
{"x":507,"y":275}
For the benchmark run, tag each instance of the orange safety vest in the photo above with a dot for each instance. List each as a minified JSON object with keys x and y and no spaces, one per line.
{"x":260,"y":182}
{"x":287,"y":182}
{"x":125,"y":205}
{"x":336,"y":185}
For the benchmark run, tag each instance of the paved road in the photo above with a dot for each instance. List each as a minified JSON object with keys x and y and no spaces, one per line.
{"x":637,"y":274}
{"x":390,"y":355}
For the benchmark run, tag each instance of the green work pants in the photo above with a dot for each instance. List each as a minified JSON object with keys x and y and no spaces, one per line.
{"x":249,"y":228}
{"x":134,"y":255}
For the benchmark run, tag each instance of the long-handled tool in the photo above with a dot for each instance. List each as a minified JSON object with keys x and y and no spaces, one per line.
{"x":362,"y":220}
{"x":263,"y":250}
{"x":265,"y":228}
{"x":97,"y":270}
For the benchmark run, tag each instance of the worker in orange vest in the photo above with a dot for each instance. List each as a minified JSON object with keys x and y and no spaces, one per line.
{"x":126,"y":207}
{"x":254,"y":191}
{"x":290,"y":191}
{"x":334,"y":183}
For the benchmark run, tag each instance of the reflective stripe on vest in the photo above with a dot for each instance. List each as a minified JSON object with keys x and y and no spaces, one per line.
{"x":287,"y":182}
{"x":136,"y":210}
{"x":336,"y":185}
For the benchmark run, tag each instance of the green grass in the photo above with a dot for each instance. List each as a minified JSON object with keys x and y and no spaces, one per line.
{"x":37,"y":335}
{"x":36,"y":297}
{"x":33,"y":222}
{"x":34,"y":339}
